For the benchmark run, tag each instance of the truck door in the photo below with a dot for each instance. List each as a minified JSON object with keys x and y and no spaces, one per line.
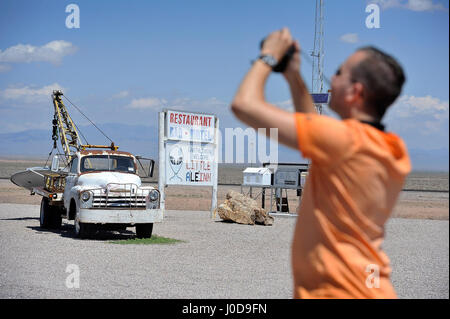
{"x":70,"y":182}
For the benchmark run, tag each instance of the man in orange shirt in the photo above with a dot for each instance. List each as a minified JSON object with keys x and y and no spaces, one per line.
{"x":357,"y":170}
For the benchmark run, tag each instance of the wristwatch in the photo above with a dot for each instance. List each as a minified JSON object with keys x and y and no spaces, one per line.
{"x":268,"y":59}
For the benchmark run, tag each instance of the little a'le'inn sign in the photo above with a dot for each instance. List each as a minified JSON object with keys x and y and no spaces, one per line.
{"x":190,"y":149}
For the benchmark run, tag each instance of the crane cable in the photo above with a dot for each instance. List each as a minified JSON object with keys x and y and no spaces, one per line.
{"x":88,"y":120}
{"x":49,"y":154}
{"x":58,"y":153}
{"x":81,"y":133}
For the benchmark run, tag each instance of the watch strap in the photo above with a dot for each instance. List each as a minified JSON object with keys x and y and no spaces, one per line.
{"x":268,"y":59}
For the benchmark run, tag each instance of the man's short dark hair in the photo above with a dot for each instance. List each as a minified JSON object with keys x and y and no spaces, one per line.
{"x":382,"y":77}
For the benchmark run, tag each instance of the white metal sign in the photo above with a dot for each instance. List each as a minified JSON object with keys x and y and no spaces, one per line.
{"x":188,"y":151}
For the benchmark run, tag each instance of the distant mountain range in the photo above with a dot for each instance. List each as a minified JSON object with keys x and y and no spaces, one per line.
{"x":143,"y":140}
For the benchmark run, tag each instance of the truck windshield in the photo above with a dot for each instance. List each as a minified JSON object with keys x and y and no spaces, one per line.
{"x":107,"y":163}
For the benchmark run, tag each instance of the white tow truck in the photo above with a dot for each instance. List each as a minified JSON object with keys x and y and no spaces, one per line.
{"x":98,"y":188}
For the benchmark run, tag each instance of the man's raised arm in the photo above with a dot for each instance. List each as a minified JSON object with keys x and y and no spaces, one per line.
{"x":301,"y":98}
{"x":249,"y":104}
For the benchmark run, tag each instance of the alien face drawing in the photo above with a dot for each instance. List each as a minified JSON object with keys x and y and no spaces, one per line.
{"x":176,"y":160}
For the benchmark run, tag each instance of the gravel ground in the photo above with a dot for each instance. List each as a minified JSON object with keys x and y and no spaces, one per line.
{"x":217,"y":259}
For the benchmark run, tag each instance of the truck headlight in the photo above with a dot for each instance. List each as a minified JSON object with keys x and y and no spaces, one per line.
{"x":153,"y":195}
{"x":85,"y":196}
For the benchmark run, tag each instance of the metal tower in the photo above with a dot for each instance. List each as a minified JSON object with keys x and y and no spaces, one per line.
{"x":318,"y":54}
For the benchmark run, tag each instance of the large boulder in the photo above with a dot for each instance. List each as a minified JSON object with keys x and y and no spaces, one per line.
{"x":243,"y":210}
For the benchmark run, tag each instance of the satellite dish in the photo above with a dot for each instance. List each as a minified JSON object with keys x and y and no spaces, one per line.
{"x":30,"y":178}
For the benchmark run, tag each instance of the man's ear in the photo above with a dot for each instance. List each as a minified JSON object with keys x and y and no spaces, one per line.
{"x":355,"y":94}
{"x":358,"y":89}
{"x":352,"y":93}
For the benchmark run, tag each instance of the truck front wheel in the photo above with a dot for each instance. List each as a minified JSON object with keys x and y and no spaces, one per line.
{"x":144,"y":230}
{"x":50,"y":216}
{"x":82,"y":230}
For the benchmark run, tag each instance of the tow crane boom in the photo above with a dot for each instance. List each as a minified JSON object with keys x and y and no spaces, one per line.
{"x":65,"y":129}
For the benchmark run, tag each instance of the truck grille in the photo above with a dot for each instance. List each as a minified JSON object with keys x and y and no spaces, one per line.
{"x":118,"y":196}
{"x":103,"y":201}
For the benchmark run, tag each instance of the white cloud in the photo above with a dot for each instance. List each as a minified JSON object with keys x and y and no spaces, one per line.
{"x":423,"y":5}
{"x":413,"y":5}
{"x":422,"y":121}
{"x":30,"y":94}
{"x":121,"y":95}
{"x":349,"y":38}
{"x":426,"y":106}
{"x":147,"y":103}
{"x":52,"y":52}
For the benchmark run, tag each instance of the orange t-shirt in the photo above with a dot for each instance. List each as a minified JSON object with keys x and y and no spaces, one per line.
{"x":355,"y":177}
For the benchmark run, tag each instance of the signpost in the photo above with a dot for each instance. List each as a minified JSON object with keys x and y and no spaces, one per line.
{"x":188,"y":151}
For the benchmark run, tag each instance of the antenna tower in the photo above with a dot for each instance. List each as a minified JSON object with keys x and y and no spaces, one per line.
{"x":318,"y":54}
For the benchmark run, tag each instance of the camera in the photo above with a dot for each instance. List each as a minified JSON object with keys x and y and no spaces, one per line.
{"x":281,"y":66}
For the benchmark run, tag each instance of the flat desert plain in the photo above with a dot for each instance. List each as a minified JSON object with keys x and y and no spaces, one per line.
{"x":425,"y":194}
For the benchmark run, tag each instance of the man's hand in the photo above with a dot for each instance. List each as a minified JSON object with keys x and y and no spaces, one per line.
{"x":277,"y":43}
{"x":249,"y":104}
{"x":301,"y":98}
{"x":293,"y":67}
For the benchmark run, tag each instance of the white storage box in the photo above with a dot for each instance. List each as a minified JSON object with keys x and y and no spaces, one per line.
{"x":257,"y":176}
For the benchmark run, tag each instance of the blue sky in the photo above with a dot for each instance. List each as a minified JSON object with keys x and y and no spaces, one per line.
{"x":130,"y":59}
